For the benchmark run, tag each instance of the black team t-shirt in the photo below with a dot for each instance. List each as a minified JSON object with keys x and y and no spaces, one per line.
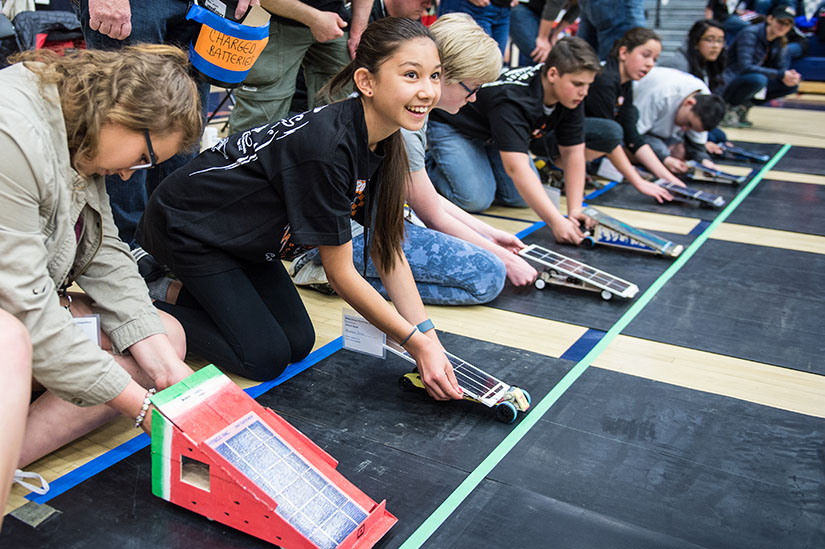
{"x":510,"y":112}
{"x":267,"y":193}
{"x":609,"y":98}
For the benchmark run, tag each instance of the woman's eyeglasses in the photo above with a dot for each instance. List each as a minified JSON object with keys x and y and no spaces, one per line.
{"x":469,"y":91}
{"x":711,"y":40}
{"x":152,"y":160}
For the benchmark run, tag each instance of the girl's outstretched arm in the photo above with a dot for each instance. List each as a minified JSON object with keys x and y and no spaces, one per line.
{"x":436,"y":371}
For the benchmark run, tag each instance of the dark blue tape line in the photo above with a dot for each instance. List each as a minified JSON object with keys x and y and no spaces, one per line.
{"x":531,"y":229}
{"x":601,"y":191}
{"x":583,"y":345}
{"x":496,"y":216}
{"x":294,"y":369}
{"x":699,"y":228}
{"x":104,"y":461}
{"x":73,"y":478}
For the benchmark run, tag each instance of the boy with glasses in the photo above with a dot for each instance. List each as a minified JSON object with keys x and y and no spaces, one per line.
{"x":481,"y":154}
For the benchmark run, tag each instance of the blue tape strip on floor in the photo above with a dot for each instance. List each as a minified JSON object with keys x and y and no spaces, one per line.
{"x":531,"y":229}
{"x":583,"y":345}
{"x":601,"y":191}
{"x":104,"y":461}
{"x":292,"y":370}
{"x":73,"y":478}
{"x":699,"y":228}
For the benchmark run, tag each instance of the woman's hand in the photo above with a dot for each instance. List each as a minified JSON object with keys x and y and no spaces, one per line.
{"x":435,"y":369}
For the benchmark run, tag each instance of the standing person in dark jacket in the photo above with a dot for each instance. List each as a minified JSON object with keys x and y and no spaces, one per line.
{"x":759,"y":60}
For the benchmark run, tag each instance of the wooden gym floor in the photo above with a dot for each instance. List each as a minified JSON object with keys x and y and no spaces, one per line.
{"x":754,"y":381}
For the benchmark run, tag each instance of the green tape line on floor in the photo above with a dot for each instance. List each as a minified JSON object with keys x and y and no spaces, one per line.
{"x":449,"y":505}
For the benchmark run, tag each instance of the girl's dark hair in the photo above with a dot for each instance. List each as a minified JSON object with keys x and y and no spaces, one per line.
{"x":380,"y":41}
{"x":698,"y":65}
{"x":632,"y":39}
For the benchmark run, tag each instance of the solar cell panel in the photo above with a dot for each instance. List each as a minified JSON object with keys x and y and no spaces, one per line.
{"x":307,"y":499}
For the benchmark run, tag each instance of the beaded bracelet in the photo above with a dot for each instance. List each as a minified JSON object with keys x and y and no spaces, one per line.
{"x":143,"y":409}
{"x":406,"y":339}
{"x":425,"y":326}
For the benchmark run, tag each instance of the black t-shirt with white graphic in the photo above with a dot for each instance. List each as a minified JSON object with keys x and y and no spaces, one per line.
{"x":267,"y":193}
{"x":510,"y":112}
{"x":609,"y":98}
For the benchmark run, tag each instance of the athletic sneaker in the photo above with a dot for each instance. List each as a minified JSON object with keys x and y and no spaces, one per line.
{"x":731,"y":118}
{"x":742,"y":112}
{"x":305,"y":272}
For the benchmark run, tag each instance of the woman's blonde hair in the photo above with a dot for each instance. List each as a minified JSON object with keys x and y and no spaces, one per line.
{"x":467,"y":52}
{"x":139,"y":87}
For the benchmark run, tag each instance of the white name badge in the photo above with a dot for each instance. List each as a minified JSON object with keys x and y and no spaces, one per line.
{"x":361,"y":336}
{"x":90,"y":325}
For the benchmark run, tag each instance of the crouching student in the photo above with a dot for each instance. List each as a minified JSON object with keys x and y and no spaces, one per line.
{"x":456,"y":259}
{"x":481,"y":154}
{"x":65,"y":123}
{"x":224,"y":221}
{"x":611,"y":98}
{"x":676,"y":111}
{"x":759,"y":60}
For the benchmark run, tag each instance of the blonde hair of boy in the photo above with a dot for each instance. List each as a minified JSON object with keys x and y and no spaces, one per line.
{"x":467,"y":52}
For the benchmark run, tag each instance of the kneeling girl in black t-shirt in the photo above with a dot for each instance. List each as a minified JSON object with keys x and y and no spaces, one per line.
{"x":224,"y":221}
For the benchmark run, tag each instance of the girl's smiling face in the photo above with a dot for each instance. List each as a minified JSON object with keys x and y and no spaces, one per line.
{"x":401,"y":93}
{"x":636,"y":63}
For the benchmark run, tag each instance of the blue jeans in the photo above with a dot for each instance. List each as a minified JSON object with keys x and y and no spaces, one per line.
{"x":524,"y":27}
{"x":155,"y":22}
{"x":447,"y":270}
{"x":741,"y":89}
{"x":494,"y":20}
{"x":468,"y":172}
{"x":605,"y":21}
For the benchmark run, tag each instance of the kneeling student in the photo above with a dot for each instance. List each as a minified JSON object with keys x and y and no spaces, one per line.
{"x":455,"y":259}
{"x":676,"y":112}
{"x":224,"y":221}
{"x":481,"y":154}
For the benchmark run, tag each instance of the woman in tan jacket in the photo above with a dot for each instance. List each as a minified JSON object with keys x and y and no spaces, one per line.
{"x":65,"y":122}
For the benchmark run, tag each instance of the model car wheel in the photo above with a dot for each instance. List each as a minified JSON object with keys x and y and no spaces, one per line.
{"x":607,"y":296}
{"x":506,"y":412}
{"x":406,"y":384}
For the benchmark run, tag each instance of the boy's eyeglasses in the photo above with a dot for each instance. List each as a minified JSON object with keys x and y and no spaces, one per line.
{"x":469,"y":91}
{"x":152,"y":160}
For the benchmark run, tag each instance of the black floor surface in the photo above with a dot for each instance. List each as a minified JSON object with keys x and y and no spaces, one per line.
{"x":579,"y":306}
{"x":619,"y":461}
{"x":758,"y":148}
{"x":625,"y":196}
{"x":625,"y":462}
{"x":797,"y":159}
{"x":784,"y":205}
{"x":752,"y":302}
